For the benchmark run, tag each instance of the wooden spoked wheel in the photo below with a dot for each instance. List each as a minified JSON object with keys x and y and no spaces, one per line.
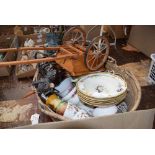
{"x":97,"y":53}
{"x":75,"y":35}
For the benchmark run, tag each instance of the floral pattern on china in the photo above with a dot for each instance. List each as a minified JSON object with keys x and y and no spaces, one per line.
{"x":102,"y":85}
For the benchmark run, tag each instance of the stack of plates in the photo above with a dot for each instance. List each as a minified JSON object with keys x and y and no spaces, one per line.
{"x":101,"y":89}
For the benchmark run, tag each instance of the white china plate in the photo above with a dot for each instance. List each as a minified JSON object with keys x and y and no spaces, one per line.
{"x":102,"y":85}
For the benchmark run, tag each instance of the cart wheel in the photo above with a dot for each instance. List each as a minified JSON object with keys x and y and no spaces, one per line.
{"x":75,"y":35}
{"x":97,"y":53}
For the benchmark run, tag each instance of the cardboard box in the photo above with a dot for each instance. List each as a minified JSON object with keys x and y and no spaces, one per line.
{"x":142,"y":119}
{"x":142,"y":37}
{"x":9,"y":56}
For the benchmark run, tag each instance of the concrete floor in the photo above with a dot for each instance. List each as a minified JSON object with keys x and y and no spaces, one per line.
{"x":12,"y":88}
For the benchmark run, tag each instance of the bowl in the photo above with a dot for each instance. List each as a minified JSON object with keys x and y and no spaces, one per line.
{"x":104,"y":111}
{"x":74,"y":100}
{"x":70,"y":94}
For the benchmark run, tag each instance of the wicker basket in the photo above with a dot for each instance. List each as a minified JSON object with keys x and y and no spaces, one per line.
{"x":134,"y":90}
{"x":43,"y":107}
{"x":132,"y":99}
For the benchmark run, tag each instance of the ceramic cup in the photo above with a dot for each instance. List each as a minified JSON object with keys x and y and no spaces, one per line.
{"x":82,"y":114}
{"x":44,"y":30}
{"x":72,"y":97}
{"x":47,"y":30}
{"x":64,"y":87}
{"x":30,"y":43}
{"x":88,"y":109}
{"x":104,"y":111}
{"x":74,"y":112}
{"x":74,"y":100}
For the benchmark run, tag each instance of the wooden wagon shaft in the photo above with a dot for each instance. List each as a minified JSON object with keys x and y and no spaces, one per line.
{"x":28,"y":48}
{"x":48,"y":59}
{"x":66,"y":53}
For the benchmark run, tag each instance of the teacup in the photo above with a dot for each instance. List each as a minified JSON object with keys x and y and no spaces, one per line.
{"x":74,"y":100}
{"x":64,"y":87}
{"x":72,"y":97}
{"x":70,"y":94}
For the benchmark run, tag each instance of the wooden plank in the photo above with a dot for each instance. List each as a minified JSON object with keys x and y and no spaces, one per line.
{"x":75,"y":67}
{"x":64,"y":50}
{"x":75,"y":49}
{"x":80,"y":47}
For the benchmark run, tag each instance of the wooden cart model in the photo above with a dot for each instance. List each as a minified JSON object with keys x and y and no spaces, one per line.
{"x":73,"y":55}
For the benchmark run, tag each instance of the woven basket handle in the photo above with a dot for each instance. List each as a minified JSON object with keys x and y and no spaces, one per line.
{"x":112,"y":60}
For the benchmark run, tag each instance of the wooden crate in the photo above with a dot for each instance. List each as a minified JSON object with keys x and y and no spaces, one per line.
{"x":34,"y":37}
{"x":28,"y":73}
{"x":8,"y":42}
{"x":6,"y":30}
{"x":22,"y":39}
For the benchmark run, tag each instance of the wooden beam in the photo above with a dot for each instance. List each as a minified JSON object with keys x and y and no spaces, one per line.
{"x":9,"y":50}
